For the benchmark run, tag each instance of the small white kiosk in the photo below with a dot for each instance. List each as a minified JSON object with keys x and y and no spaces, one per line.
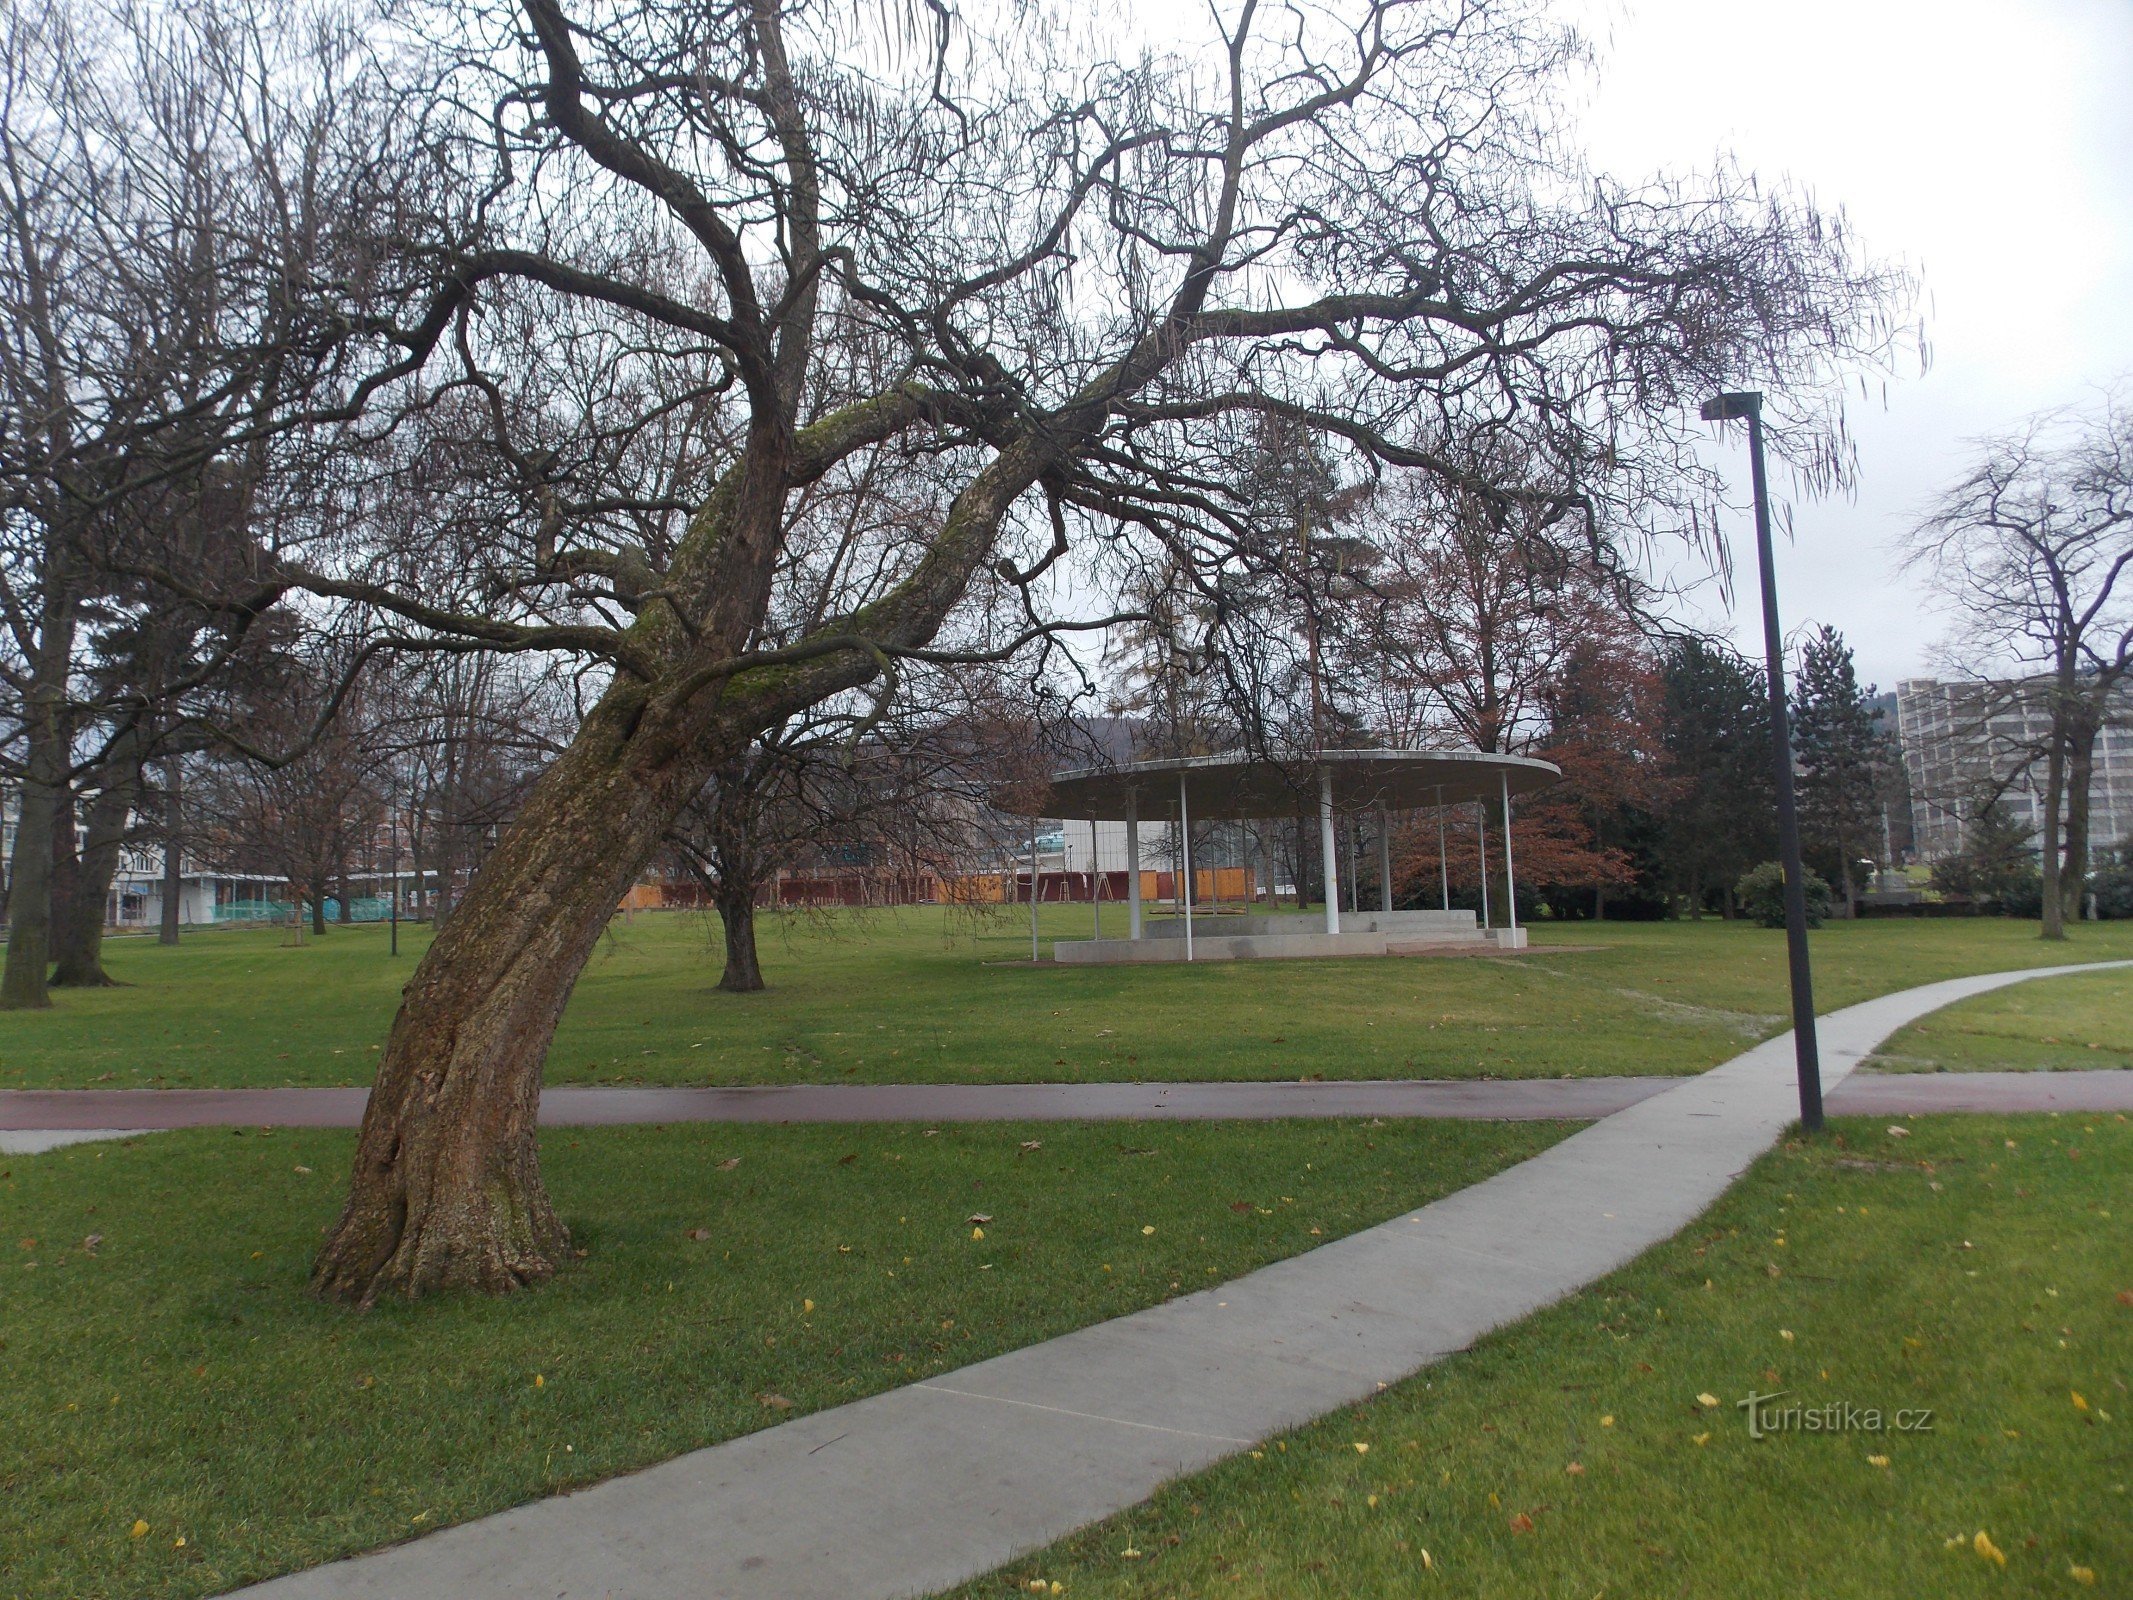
{"x":1344,"y":783}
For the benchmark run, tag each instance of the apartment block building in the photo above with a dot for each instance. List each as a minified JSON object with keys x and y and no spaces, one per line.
{"x":1964,"y":739}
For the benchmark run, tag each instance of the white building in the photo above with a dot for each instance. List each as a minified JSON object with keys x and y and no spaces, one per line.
{"x":205,"y":898}
{"x":1963,"y":739}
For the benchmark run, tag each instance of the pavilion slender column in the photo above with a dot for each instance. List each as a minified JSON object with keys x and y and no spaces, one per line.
{"x":1185,"y":862}
{"x":1328,"y":851}
{"x":1384,"y":860}
{"x":1481,"y":832}
{"x":1355,"y":878}
{"x":1133,"y":864}
{"x":1096,"y":885}
{"x":1033,"y":888}
{"x":1444,"y":860}
{"x":1510,"y":872}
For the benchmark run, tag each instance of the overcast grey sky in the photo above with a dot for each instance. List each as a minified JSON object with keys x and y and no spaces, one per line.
{"x":1990,"y":145}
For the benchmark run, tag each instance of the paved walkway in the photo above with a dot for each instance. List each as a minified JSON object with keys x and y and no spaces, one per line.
{"x":566,"y":1106}
{"x":926,"y":1486}
{"x":1909,"y":1094}
{"x":44,"y":1118}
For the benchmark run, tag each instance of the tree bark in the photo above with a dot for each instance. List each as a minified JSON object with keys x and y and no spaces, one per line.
{"x":2054,"y":911}
{"x":28,"y":905}
{"x":78,"y":920}
{"x":25,"y":985}
{"x":447,"y":868}
{"x":173,"y":852}
{"x":66,"y":870}
{"x":446,"y":1191}
{"x":736,"y":909}
{"x":2081,"y":734}
{"x":318,"y":906}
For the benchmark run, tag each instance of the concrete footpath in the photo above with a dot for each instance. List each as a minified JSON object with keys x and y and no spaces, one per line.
{"x":32,"y":1119}
{"x":567,"y":1106}
{"x":923,"y":1487}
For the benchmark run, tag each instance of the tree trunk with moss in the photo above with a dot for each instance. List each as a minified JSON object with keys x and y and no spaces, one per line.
{"x":447,"y":1190}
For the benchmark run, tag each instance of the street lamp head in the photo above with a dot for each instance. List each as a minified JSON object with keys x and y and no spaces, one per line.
{"x":1726,"y":407}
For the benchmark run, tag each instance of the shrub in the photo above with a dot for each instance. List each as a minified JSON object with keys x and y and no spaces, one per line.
{"x":2022,"y":896}
{"x":2112,"y":884}
{"x":1761,"y":893}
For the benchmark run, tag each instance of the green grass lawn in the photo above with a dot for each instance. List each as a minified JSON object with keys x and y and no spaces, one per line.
{"x":164,"y":1366}
{"x":2053,"y":1025}
{"x":917,"y":996}
{"x":1979,"y":1268}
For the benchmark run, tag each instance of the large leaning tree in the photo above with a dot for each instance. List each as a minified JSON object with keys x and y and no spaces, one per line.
{"x":1054,"y":283}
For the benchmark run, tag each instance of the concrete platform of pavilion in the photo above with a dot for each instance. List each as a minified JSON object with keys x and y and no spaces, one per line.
{"x":1275,"y":936}
{"x":1241,"y":785}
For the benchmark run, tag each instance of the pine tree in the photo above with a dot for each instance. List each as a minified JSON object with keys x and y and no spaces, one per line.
{"x":1842,"y":754}
{"x":1998,"y":861}
{"x":1721,"y":809}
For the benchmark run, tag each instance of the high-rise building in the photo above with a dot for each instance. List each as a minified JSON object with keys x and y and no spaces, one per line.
{"x":1964,"y":742}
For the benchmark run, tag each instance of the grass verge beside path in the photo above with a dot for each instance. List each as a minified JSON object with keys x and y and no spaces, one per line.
{"x":2053,"y":1025}
{"x":179,"y":1417}
{"x":916,"y":996}
{"x":1978,"y":1267}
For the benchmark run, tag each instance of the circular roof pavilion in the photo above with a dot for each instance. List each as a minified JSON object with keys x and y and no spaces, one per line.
{"x":1238,"y":784}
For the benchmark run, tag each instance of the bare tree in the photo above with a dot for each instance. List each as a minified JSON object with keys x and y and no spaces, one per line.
{"x":2032,"y":553}
{"x":958,"y":251}
{"x":307,"y":813}
{"x":162,"y":200}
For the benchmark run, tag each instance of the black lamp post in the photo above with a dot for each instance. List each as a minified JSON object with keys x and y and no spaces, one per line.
{"x":1748,"y":406}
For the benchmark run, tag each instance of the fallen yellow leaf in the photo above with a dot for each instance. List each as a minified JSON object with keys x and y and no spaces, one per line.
{"x":1607,"y":1421}
{"x":806,"y":1306}
{"x":140,"y":1530}
{"x":1785,"y":1334}
{"x":1987,"y":1549}
{"x":2085,"y":1576}
{"x":1576,"y":1469}
{"x":1701,"y":1440}
{"x":1877,"y":1461}
{"x":1362,"y":1448}
{"x":1150,"y":1228}
{"x":2080,"y":1404}
{"x":1707,"y":1400}
{"x":977,"y":1233}
{"x":1427,"y":1564}
{"x":539,"y":1382}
